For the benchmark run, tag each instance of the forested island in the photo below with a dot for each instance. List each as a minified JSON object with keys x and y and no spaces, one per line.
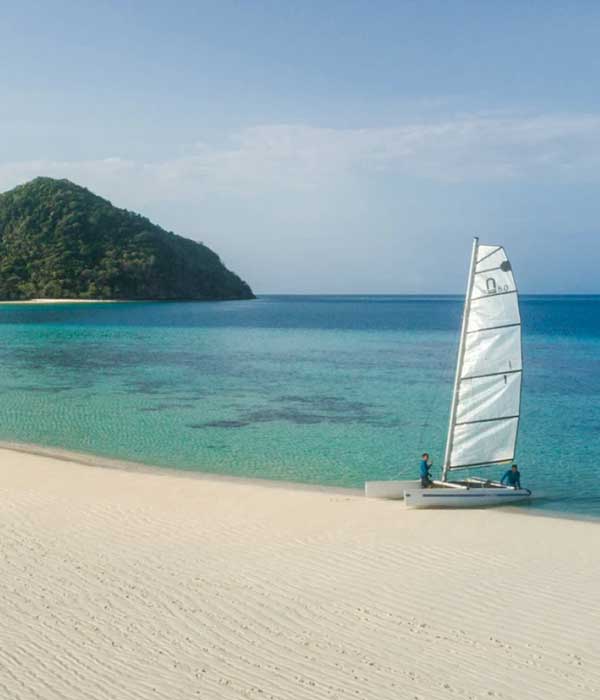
{"x":59,"y":240}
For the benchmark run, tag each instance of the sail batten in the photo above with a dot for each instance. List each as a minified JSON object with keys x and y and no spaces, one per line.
{"x":487,"y":391}
{"x":491,"y":374}
{"x":494,"y":328}
{"x":485,"y":296}
{"x":487,"y":255}
{"x":484,"y":420}
{"x":482,"y":464}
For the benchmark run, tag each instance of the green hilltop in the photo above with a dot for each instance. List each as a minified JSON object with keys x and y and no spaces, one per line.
{"x":59,"y":240}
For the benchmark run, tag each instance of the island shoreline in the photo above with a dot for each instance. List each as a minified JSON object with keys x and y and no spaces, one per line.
{"x":88,"y":459}
{"x":43,"y":302}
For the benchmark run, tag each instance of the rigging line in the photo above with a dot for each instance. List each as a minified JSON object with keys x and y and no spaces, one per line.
{"x":443,"y":372}
{"x":428,"y":412}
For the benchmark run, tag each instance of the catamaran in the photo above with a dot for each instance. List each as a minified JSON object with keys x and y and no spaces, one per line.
{"x":486,"y":399}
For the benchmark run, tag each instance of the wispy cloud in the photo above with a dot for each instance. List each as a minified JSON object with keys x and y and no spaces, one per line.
{"x":267,"y":158}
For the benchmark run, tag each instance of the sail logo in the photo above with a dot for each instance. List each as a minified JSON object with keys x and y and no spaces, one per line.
{"x":491,"y":287}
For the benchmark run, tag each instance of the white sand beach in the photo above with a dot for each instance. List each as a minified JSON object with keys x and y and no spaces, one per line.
{"x":118,"y":584}
{"x":64,"y":301}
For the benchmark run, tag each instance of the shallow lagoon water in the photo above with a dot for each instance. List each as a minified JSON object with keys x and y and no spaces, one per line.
{"x":317,"y":389}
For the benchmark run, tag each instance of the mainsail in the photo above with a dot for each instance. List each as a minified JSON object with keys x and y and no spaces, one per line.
{"x":487,"y":392}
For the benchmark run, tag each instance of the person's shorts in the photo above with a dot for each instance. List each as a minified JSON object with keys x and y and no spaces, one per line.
{"x":425,"y":481}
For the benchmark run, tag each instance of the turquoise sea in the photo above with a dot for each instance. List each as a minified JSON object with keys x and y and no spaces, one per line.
{"x":319,"y":389}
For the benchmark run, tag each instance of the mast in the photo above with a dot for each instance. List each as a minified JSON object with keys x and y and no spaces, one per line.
{"x":459,"y":364}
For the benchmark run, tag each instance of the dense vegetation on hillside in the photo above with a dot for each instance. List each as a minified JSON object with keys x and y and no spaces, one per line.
{"x":58,"y":240}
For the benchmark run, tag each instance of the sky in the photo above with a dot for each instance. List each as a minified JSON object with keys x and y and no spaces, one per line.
{"x":323,"y":147}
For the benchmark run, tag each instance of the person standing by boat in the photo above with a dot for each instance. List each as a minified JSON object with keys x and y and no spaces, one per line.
{"x":512,"y":477}
{"x":424,"y":468}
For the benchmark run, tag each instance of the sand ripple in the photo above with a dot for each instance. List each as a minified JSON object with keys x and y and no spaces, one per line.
{"x":136,"y":586}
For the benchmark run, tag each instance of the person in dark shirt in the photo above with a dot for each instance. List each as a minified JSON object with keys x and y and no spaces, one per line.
{"x":424,"y":468}
{"x":512,"y":477}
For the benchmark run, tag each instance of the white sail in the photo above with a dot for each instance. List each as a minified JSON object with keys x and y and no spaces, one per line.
{"x":487,"y":394}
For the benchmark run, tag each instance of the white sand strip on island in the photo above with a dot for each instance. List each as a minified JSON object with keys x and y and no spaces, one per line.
{"x":118,"y":584}
{"x":66,"y":301}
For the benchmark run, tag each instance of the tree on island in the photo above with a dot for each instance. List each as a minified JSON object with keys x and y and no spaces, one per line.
{"x":59,"y":240}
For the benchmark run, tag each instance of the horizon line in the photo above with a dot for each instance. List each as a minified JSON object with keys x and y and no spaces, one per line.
{"x":415,"y":294}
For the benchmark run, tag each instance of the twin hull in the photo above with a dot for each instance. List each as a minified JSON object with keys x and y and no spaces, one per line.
{"x":440,"y":497}
{"x":463,"y":498}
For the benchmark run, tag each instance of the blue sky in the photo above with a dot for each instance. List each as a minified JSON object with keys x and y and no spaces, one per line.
{"x":323,"y":146}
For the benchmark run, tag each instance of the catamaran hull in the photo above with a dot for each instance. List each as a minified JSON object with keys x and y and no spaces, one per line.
{"x":464,"y":498}
{"x":389,"y":489}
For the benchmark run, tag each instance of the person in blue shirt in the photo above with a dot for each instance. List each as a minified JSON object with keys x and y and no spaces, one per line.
{"x":512,"y":477}
{"x":424,"y":468}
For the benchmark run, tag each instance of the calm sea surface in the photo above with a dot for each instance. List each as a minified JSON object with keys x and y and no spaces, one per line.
{"x":327,"y":390}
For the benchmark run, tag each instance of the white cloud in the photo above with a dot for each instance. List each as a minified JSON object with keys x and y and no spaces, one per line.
{"x":287,"y":204}
{"x":299,"y":158}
